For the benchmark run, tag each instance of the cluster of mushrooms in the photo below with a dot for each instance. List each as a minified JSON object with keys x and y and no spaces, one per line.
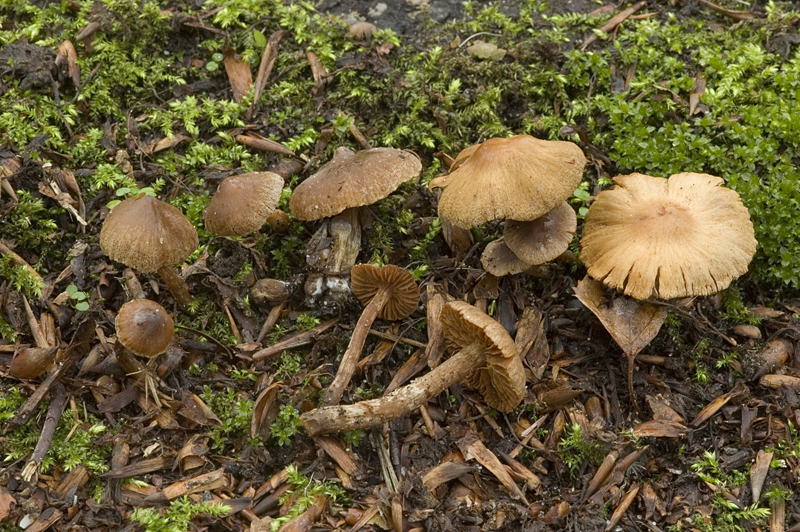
{"x":647,"y":237}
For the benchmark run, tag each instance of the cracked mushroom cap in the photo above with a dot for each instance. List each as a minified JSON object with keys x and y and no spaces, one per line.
{"x":243,"y":203}
{"x":366,"y":280}
{"x":144,"y":327}
{"x":519,"y":178}
{"x":147,"y":234}
{"x":501,"y":380}
{"x":678,"y":237}
{"x":353,"y":179}
{"x":542,"y":239}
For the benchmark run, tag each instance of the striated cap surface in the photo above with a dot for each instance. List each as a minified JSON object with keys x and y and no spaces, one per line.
{"x":147,"y":234}
{"x":243,"y":203}
{"x":353,"y":179}
{"x":678,"y":237}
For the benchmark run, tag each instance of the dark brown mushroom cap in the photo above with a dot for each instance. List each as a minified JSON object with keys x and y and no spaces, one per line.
{"x":501,"y":380}
{"x":147,"y":234}
{"x":353,"y":179}
{"x":366,"y":280}
{"x":678,"y":237}
{"x":517,"y":178}
{"x":542,"y":239}
{"x":144,"y":327}
{"x":243,"y":203}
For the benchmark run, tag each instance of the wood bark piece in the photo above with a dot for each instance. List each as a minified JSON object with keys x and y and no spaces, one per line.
{"x":433,"y":309}
{"x":472,"y":448}
{"x":78,"y":349}
{"x":337,"y":452}
{"x":58,"y":401}
{"x":142,"y":467}
{"x":77,"y":477}
{"x":265,"y":68}
{"x":758,"y":473}
{"x":205,"y":482}
{"x":304,"y":521}
{"x":445,"y":472}
{"x":306,"y":337}
{"x":48,"y":518}
{"x":777,"y":517}
{"x":620,"y":510}
{"x":779,"y":381}
{"x":774,"y":355}
{"x":531,"y":341}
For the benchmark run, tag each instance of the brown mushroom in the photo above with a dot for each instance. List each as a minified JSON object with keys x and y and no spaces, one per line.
{"x":544,"y":238}
{"x":682,"y":236}
{"x":519,"y":178}
{"x":145,"y":329}
{"x":498,"y":260}
{"x":351,"y":179}
{"x":390,"y":293}
{"x":150,"y":236}
{"x":243,"y":203}
{"x":485,"y":358}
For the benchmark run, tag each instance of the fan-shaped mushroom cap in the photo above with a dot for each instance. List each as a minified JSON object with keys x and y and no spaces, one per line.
{"x":677,"y":237}
{"x":144,"y":327}
{"x":501,"y":380}
{"x":366,"y":280}
{"x":519,"y":178}
{"x":544,"y":238}
{"x":243,"y":203}
{"x":147,"y":234}
{"x":353,"y":179}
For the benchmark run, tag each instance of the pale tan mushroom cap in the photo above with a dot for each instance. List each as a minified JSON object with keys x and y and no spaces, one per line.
{"x":498,"y":259}
{"x":366,"y":280}
{"x":501,"y":380}
{"x":353,"y":179}
{"x":147,"y":234}
{"x":544,"y":238}
{"x":144,"y":327}
{"x":678,"y":237}
{"x":519,"y":178}
{"x":243,"y":203}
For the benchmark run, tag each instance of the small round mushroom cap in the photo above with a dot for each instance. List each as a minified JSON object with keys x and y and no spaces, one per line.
{"x":678,"y":237}
{"x":542,"y":239}
{"x":518,"y":178}
{"x":498,"y":260}
{"x":243,"y":203}
{"x":366,"y":280}
{"x":362,"y":30}
{"x":147,"y":234}
{"x":353,"y":179}
{"x":144,"y":327}
{"x":501,"y":380}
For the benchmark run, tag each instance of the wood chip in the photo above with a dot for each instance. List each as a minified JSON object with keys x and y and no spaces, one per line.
{"x":298,"y":340}
{"x":239,"y":75}
{"x":142,"y":467}
{"x":714,"y":406}
{"x":472,"y":448}
{"x":758,"y":473}
{"x":205,"y":482}
{"x":622,"y":508}
{"x":338,"y":453}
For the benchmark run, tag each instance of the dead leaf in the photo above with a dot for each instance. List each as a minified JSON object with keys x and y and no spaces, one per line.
{"x":265,"y":410}
{"x":191,"y":454}
{"x":660,"y":428}
{"x":696,"y":93}
{"x":662,"y":411}
{"x":758,"y":473}
{"x":7,"y":501}
{"x":239,"y":75}
{"x":632,"y":324}
{"x":66,"y":51}
{"x":194,"y":409}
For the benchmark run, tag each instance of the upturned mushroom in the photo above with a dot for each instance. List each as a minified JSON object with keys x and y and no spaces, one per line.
{"x":485,"y":357}
{"x":243,"y":203}
{"x":390,"y":293}
{"x":518,"y":178}
{"x":150,"y":236}
{"x":656,"y":237}
{"x":350,"y":180}
{"x":145,"y":329}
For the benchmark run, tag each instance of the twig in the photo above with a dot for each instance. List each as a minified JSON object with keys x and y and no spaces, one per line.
{"x":615,"y":21}
{"x":396,"y":338}
{"x":736,"y":15}
{"x":295,"y":341}
{"x":265,"y":68}
{"x":57,"y":403}
{"x":272,"y":319}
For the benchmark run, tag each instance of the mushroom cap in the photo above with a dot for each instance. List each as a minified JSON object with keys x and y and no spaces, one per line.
{"x":366,"y":280}
{"x":147,"y":234}
{"x":502,"y":379}
{"x":498,"y":260}
{"x":677,"y":237}
{"x":243,"y":203}
{"x":144,"y":327}
{"x":520,"y":178}
{"x":353,"y":179}
{"x":544,"y":238}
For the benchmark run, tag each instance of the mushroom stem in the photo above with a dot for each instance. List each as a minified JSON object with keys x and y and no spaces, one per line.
{"x":350,"y":358}
{"x":400,"y":402}
{"x":176,"y":286}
